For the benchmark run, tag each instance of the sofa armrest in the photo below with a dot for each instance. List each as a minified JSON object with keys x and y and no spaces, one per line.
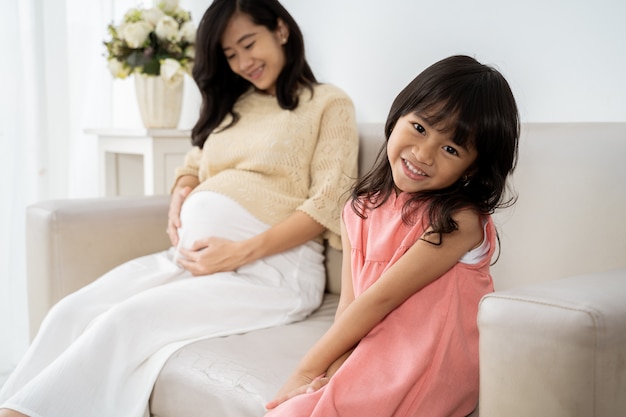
{"x":555,"y":349}
{"x":71,"y":242}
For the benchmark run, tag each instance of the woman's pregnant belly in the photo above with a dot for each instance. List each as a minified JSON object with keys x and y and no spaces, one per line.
{"x":208,"y":214}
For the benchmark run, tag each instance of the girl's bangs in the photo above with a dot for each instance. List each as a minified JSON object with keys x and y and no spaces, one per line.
{"x":447,"y":117}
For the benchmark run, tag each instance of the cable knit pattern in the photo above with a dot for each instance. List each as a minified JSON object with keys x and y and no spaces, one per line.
{"x":274,"y":161}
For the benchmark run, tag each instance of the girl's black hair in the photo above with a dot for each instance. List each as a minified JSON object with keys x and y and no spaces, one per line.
{"x":219,"y":86}
{"x":476,"y":104}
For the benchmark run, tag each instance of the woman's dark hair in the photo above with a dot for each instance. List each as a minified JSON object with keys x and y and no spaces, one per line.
{"x":475,"y":104}
{"x":219,"y":86}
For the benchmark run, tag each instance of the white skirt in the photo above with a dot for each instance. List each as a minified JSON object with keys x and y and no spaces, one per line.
{"x":100,"y":350}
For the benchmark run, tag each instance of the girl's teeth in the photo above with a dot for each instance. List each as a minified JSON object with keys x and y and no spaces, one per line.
{"x":413,"y":169}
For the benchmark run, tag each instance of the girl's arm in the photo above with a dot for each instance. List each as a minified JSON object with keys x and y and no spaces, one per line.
{"x":347,"y":293}
{"x":347,"y":290}
{"x":419,"y":266}
{"x":213,"y":254}
{"x":298,"y":385}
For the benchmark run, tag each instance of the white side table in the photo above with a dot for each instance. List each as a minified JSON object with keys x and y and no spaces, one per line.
{"x":139,"y":161}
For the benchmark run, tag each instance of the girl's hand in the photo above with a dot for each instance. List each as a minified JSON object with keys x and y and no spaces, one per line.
{"x":211,"y":255}
{"x":297,"y":385}
{"x":173,"y":218}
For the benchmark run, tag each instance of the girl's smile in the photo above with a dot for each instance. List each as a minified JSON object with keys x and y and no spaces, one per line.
{"x":413,"y":171}
{"x":423,"y":158}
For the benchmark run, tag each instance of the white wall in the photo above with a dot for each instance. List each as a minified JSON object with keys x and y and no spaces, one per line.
{"x":565,"y":59}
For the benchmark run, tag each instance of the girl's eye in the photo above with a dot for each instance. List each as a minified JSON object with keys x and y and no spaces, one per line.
{"x":229,"y":57}
{"x":450,"y":150}
{"x":419,"y":128}
{"x":249,"y":46}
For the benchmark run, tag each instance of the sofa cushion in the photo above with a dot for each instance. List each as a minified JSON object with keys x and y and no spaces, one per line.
{"x":235,"y":376}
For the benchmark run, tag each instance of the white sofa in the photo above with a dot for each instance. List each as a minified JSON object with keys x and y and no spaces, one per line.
{"x":549,"y":345}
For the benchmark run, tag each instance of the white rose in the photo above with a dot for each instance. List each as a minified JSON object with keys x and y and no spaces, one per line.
{"x":181,"y":15}
{"x":188,"y":68}
{"x":118,"y":69}
{"x":168,"y":6}
{"x":190,"y":52}
{"x":167,"y":29}
{"x":132,"y":15}
{"x":188,"y":32}
{"x":171,"y":71}
{"x":153,"y":15}
{"x":135,"y":34}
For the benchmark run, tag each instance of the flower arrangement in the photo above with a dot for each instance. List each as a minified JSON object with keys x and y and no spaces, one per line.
{"x":156,"y":41}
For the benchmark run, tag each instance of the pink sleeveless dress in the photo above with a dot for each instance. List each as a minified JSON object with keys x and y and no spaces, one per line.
{"x":422,"y":359}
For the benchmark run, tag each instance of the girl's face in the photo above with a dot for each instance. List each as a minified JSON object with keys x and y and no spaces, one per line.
{"x":254,"y":52}
{"x":423,"y":158}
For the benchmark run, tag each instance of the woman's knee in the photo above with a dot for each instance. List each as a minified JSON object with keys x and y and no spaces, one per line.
{"x":69,"y":317}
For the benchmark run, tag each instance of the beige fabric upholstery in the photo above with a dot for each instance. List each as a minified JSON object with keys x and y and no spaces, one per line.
{"x":234,"y":376}
{"x":569,"y":218}
{"x":69,"y":243}
{"x":371,"y":141}
{"x":554,"y":349}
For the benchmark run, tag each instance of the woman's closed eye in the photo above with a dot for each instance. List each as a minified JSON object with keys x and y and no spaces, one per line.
{"x":230,"y":55}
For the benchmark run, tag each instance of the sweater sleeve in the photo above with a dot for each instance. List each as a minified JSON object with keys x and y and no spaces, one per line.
{"x":191,"y":165}
{"x":333,"y":167}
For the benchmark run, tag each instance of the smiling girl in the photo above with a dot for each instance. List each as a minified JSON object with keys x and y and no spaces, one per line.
{"x":418,"y":238}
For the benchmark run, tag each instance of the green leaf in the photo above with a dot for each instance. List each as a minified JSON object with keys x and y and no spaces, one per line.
{"x":136,"y":59}
{"x":152,"y":67}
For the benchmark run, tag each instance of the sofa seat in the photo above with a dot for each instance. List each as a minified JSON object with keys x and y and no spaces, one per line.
{"x":235,"y":376}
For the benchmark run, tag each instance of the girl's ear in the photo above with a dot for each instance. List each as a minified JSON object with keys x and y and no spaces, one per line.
{"x":467,"y":176}
{"x":471,"y":171}
{"x":282,"y":31}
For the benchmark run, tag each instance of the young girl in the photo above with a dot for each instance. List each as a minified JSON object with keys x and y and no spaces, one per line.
{"x":275,"y":150}
{"x":420,"y":238}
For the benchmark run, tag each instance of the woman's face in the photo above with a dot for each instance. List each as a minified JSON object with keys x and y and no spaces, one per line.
{"x":254,"y":52}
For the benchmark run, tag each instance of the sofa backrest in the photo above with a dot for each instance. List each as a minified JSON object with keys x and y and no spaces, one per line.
{"x":372,"y":137}
{"x":570,"y":215}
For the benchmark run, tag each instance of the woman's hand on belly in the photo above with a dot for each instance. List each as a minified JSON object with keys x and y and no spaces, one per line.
{"x":183,"y":187}
{"x":211,"y":255}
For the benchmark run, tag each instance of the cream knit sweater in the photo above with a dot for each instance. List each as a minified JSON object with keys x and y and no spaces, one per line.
{"x":274,"y":161}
